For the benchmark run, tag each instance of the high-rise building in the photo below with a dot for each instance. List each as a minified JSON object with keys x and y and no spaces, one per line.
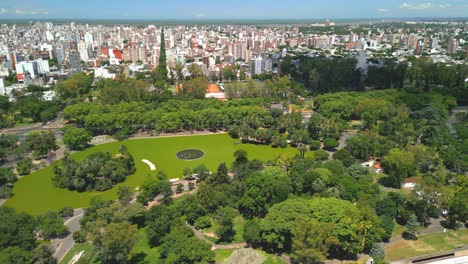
{"x":259,"y":65}
{"x":435,"y":43}
{"x":268,"y":65}
{"x":74,"y":61}
{"x":3,"y":90}
{"x":60,"y":54}
{"x":452,"y":45}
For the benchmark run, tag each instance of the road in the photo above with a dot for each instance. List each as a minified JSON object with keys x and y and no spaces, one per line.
{"x":61,"y":246}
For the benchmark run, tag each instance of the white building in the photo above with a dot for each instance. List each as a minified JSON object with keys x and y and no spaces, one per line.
{"x":258,"y":65}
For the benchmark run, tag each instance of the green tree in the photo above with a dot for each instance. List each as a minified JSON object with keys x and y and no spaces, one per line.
{"x":330,"y":143}
{"x":207,"y":196}
{"x":153,"y":187}
{"x":179,"y":188}
{"x":115,"y":241}
{"x":50,"y":225}
{"x":180,"y":246}
{"x":43,"y":255}
{"x":6,"y":177}
{"x":457,"y":208}
{"x":303,"y":148}
{"x":76,"y":138}
{"x":160,"y":219}
{"x":24,"y":166}
{"x":17,"y":230}
{"x":312,"y":241}
{"x":226,"y":231}
{"x":41,"y":143}
{"x":15,"y":255}
{"x":345,"y":156}
{"x":161,"y":70}
{"x":399,"y":165}
{"x":221,"y":176}
{"x":124,"y":194}
{"x":412,"y":226}
{"x":378,"y":251}
{"x":262,"y":189}
{"x":252,"y":232}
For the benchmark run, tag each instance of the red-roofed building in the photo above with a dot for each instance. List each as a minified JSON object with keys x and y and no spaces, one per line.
{"x":409,"y":183}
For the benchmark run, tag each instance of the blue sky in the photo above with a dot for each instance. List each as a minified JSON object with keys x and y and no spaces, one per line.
{"x":230,"y":9}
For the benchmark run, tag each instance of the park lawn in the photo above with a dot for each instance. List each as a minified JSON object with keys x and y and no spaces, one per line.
{"x":222,"y":254}
{"x":398,"y":230}
{"x":238,"y":227}
{"x":36,"y":193}
{"x":77,"y":248}
{"x":426,"y":244}
{"x":272,"y":258}
{"x":142,"y":251}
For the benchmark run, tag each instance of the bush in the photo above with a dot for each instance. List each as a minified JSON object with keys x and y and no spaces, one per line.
{"x":24,"y":166}
{"x":123,"y":133}
{"x":5,"y":192}
{"x":79,"y":236}
{"x":203,"y":222}
{"x":66,"y":211}
{"x":179,"y":188}
{"x":330,"y":143}
{"x":234,"y":131}
{"x":377,"y":251}
{"x":314,"y":144}
{"x":191,"y":186}
{"x":321,"y":155}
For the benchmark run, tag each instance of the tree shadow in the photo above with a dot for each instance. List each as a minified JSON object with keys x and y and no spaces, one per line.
{"x":409,"y":236}
{"x":138,"y":258}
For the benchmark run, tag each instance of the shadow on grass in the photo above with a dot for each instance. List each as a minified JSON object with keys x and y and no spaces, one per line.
{"x":138,"y":258}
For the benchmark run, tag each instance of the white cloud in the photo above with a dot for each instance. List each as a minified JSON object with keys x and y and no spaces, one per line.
{"x":3,"y":10}
{"x":383,"y":10}
{"x":417,"y":6}
{"x":31,"y":12}
{"x":445,"y":6}
{"x":199,"y":15}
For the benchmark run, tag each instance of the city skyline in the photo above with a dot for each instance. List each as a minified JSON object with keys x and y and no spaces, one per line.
{"x":210,"y":9}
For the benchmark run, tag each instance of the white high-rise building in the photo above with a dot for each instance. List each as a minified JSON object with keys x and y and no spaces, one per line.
{"x":258,"y":65}
{"x":435,"y":43}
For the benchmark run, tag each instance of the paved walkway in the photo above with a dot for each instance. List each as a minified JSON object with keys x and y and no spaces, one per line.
{"x":214,"y":246}
{"x":62,"y":246}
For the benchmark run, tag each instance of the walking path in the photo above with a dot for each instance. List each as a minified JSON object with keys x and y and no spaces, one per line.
{"x":62,"y":246}
{"x":214,"y":246}
{"x":150,"y":164}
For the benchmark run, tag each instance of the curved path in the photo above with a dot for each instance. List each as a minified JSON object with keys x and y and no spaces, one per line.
{"x":214,"y":246}
{"x":61,"y":246}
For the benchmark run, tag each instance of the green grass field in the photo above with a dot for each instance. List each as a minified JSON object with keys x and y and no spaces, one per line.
{"x":35,"y":193}
{"x":222,"y":254}
{"x":238,"y":227}
{"x":426,"y":244}
{"x":142,"y":251}
{"x":88,"y":252}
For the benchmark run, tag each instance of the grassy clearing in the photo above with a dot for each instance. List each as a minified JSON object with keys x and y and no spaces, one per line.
{"x":222,"y":254}
{"x":142,"y":251}
{"x":398,"y":230}
{"x":35,"y":193}
{"x":427,"y":244}
{"x":238,"y":227}
{"x":87,"y":248}
{"x":272,"y":258}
